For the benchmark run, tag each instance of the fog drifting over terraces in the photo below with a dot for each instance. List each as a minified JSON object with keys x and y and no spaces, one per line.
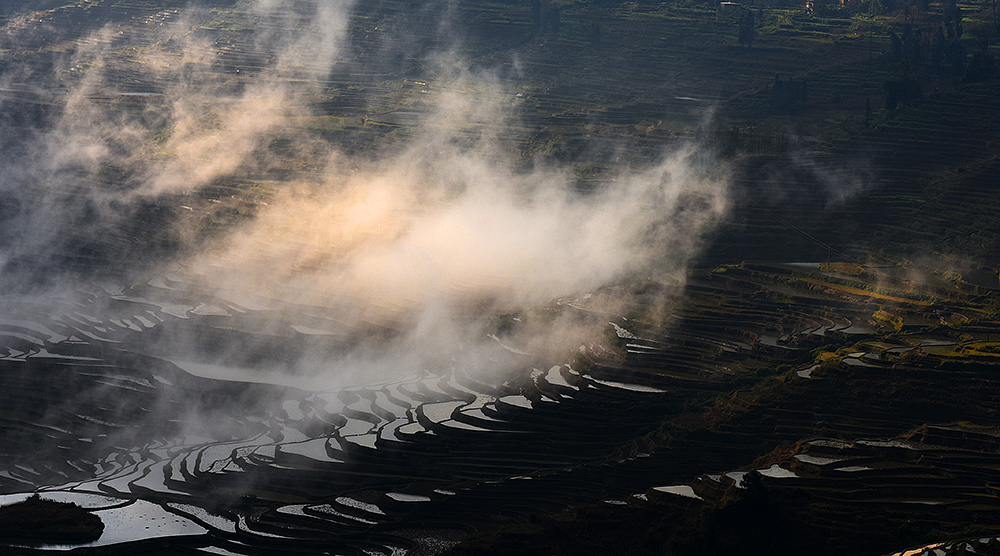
{"x":432,"y":237}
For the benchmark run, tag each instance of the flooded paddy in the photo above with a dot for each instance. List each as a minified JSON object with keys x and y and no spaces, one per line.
{"x":125,"y":520}
{"x":251,"y":469}
{"x":274,"y":456}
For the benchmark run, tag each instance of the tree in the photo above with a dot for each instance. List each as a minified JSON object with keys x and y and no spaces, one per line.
{"x":897,"y":46}
{"x":911,"y":45}
{"x":938,"y":45}
{"x":891,"y":88}
{"x":996,"y":22}
{"x":747,"y":28}
{"x":594,"y":33}
{"x":954,"y":54}
{"x":789,"y":95}
{"x":545,"y":16}
{"x":952,"y":15}
{"x":982,"y":67}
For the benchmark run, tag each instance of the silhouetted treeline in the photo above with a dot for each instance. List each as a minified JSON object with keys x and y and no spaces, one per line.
{"x":928,"y":49}
{"x":901,"y":91}
{"x":982,"y":67}
{"x":728,"y":141}
{"x":747,"y":27}
{"x":789,"y":95}
{"x":545,"y":17}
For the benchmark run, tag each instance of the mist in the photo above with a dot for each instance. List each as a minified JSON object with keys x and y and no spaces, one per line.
{"x":445,"y":240}
{"x":390,"y":277}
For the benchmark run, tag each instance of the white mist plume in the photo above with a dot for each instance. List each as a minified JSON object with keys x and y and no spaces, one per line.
{"x":216,"y":124}
{"x":430,"y":239}
{"x":436,"y":239}
{"x":455,"y":222}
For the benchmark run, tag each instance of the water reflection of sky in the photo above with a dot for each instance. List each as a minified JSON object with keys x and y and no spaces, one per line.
{"x":143,"y":520}
{"x":132,"y":522}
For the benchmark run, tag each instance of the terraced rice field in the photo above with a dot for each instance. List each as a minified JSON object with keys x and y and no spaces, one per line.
{"x":353,"y":466}
{"x":408,"y":463}
{"x":858,"y":397}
